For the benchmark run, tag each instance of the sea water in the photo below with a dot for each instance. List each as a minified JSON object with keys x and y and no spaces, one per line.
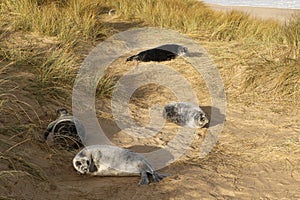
{"x":291,"y":4}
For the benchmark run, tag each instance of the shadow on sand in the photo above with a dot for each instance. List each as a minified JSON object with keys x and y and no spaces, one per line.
{"x":214,"y":115}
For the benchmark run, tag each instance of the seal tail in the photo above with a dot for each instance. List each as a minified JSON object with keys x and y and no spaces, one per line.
{"x":131,"y":58}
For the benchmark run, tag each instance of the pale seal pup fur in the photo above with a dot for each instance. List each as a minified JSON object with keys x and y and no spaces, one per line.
{"x":106,"y":160}
{"x":65,"y":131}
{"x":185,"y":114}
{"x":161,"y":53}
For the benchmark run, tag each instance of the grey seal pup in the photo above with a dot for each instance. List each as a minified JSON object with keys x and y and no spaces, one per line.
{"x":185,"y":114}
{"x":159,"y":54}
{"x":66,"y":131}
{"x":107,"y":160}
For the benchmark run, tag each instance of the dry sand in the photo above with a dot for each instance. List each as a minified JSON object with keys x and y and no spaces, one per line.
{"x":282,"y":15}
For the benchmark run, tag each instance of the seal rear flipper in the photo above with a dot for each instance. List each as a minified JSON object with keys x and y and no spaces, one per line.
{"x":131,"y":58}
{"x":144,"y":179}
{"x":158,"y":177}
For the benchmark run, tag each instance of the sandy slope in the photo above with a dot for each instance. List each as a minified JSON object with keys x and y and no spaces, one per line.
{"x":256,"y":157}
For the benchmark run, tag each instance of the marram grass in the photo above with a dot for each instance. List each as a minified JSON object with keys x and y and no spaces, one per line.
{"x":73,"y":22}
{"x":72,"y":19}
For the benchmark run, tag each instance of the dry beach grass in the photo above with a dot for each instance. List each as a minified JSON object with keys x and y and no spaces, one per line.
{"x":43,"y":43}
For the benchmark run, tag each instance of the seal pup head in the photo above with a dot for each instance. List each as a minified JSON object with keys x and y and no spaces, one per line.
{"x":84,"y":163}
{"x":200,"y":119}
{"x":182,"y":51}
{"x":176,"y":49}
{"x":62,"y":112}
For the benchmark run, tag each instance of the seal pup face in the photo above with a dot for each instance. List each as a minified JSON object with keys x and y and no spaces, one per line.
{"x":201,"y":119}
{"x":62,"y":111}
{"x":84,"y":164}
{"x":182,"y":51}
{"x":81,"y":164}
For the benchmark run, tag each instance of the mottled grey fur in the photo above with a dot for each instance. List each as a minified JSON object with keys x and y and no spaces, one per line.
{"x":65,"y":130}
{"x":185,"y":114}
{"x":106,"y":160}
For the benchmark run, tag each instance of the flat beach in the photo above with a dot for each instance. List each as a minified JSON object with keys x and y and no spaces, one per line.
{"x":283,"y":15}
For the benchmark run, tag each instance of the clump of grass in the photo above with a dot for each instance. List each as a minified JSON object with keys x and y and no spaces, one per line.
{"x":275,"y":79}
{"x":4,"y":92}
{"x":11,"y":106}
{"x":59,"y":66}
{"x":21,"y":53}
{"x":106,"y":86}
{"x":291,"y":32}
{"x":6,"y":88}
{"x":194,"y":16}
{"x":185,"y":16}
{"x":68,"y":20}
{"x":237,"y":25}
{"x":69,"y":23}
{"x":232,"y":26}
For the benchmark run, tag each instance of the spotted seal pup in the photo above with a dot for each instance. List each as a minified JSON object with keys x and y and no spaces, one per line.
{"x":159,"y":54}
{"x":185,"y":114}
{"x":106,"y":160}
{"x":66,"y":131}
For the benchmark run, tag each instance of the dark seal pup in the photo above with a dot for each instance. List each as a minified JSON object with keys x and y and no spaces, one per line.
{"x":162,"y":53}
{"x":106,"y":160}
{"x":63,"y":131}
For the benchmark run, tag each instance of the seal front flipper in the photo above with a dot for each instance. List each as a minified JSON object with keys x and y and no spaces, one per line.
{"x":92,"y":166}
{"x":144,"y":178}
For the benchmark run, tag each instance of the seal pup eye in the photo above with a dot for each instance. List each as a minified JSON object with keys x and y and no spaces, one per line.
{"x":88,"y":162}
{"x":77,"y":163}
{"x":202,"y":117}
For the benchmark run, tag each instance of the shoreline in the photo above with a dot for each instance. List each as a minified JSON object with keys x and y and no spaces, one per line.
{"x":281,"y":14}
